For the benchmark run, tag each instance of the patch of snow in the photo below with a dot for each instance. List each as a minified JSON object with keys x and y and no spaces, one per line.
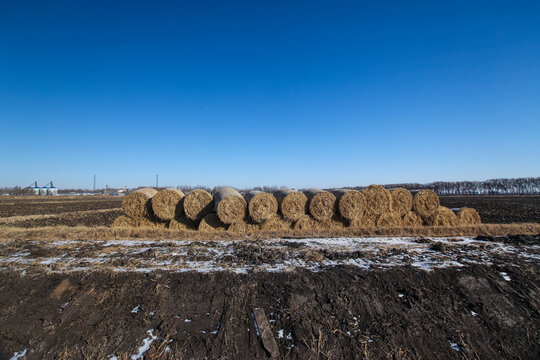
{"x":187,"y":320}
{"x":454,"y":346}
{"x":18,"y":355}
{"x":280,"y":334}
{"x":473,"y":313}
{"x":136,"y":309}
{"x":505,"y":276}
{"x":146,"y":345}
{"x":400,"y":295}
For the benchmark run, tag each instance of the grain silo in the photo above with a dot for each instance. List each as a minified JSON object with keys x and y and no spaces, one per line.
{"x":52,"y":190}
{"x":43,"y":190}
{"x":35,"y":189}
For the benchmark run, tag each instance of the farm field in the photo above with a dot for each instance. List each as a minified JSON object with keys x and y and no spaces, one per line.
{"x":35,"y":211}
{"x":70,"y":289}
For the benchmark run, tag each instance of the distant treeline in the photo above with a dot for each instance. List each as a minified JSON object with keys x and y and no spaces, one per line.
{"x":519,"y":186}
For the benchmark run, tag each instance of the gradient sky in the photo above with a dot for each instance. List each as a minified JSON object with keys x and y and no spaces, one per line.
{"x":303,"y":93}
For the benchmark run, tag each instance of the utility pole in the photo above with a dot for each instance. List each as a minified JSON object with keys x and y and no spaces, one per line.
{"x":94,"y":182}
{"x":157,"y":180}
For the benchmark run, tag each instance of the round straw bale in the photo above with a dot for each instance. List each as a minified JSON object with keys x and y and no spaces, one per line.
{"x":426,"y":203}
{"x":443,"y":217}
{"x":321,"y":204}
{"x":167,"y":204}
{"x":243,"y":227}
{"x":351,"y":204}
{"x":468,"y":216}
{"x":198,"y":204}
{"x":364,"y":222}
{"x":275,"y":224}
{"x":389,"y":219}
{"x":211,"y":223}
{"x":230,"y":205}
{"x":182,"y":223}
{"x":151,"y":223}
{"x":378,"y":200}
{"x":412,"y":219}
{"x":138,"y":204}
{"x":305,"y":222}
{"x":123,"y":221}
{"x":292,"y":203}
{"x":261,"y":205}
{"x":401,"y":201}
{"x":335,"y":223}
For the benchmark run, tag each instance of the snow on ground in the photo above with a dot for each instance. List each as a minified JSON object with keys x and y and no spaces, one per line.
{"x":275,"y":255}
{"x":19,"y":354}
{"x":146,"y":345}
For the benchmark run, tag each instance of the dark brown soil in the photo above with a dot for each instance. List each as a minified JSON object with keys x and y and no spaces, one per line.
{"x":340,"y":313}
{"x":100,"y":218}
{"x":403,"y":312}
{"x":35,"y":205}
{"x":499,"y":209}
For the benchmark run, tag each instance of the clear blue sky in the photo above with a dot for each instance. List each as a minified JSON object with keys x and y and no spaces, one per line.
{"x":298,"y":93}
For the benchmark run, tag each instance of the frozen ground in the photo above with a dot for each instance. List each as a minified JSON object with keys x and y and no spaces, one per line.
{"x":278,"y":255}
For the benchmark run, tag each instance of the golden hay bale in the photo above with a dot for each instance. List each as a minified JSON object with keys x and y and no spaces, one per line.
{"x":275,"y":224}
{"x":426,"y":203}
{"x":335,"y":223}
{"x":211,"y":223}
{"x":305,"y":222}
{"x":364,"y":222}
{"x":261,"y":205}
{"x":182,"y":223}
{"x":230,"y":205}
{"x":351,"y":204}
{"x":292,"y":203}
{"x":378,"y":200}
{"x":167,"y":204}
{"x":198,"y":204}
{"x":138,"y":204}
{"x":401,"y":201}
{"x":151,"y":223}
{"x":389,"y":219}
{"x":243,"y":227}
{"x":123,"y":221}
{"x":412,"y":219}
{"x":468,"y":216}
{"x":443,"y":217}
{"x":321,"y":204}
